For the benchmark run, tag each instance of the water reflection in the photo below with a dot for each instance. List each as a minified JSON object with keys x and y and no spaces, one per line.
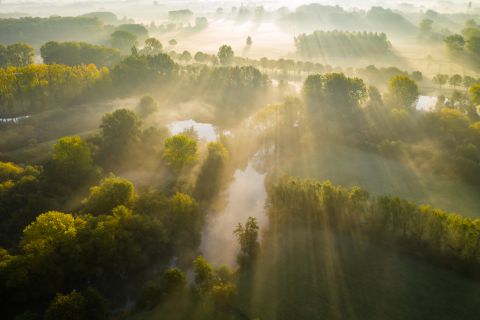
{"x":205,"y":131}
{"x":246,"y":197}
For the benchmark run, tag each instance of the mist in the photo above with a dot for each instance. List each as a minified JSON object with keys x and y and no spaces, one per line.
{"x":239,"y":160}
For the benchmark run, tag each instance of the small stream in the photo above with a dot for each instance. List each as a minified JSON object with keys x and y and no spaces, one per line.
{"x":246,"y":198}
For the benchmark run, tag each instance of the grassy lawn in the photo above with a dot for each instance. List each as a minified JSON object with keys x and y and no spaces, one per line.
{"x":349,"y":166}
{"x":311,"y":274}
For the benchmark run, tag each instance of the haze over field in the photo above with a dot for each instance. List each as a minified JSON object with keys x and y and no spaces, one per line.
{"x":270,"y":160}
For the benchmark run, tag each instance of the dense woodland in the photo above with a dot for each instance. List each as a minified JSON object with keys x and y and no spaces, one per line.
{"x":105,"y":206}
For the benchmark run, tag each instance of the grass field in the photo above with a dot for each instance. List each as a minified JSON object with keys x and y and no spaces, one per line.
{"x":349,"y":166}
{"x":311,"y":274}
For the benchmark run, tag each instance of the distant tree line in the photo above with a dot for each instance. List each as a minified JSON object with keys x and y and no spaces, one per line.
{"x":341,"y":44}
{"x":78,"y":53}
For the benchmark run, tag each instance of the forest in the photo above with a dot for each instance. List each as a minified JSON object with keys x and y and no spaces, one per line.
{"x":284,"y":160}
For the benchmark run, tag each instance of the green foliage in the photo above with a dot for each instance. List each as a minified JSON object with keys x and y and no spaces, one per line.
{"x":225,"y":55}
{"x":123,"y":40}
{"x":184,"y":221}
{"x":204,"y":276}
{"x":21,"y":196}
{"x":147,"y":106}
{"x":180,"y":151}
{"x":16,"y":55}
{"x":332,"y":101}
{"x":49,"y":231}
{"x":71,"y":161}
{"x":455,"y":80}
{"x":455,"y":43}
{"x":210,"y":177}
{"x":440,"y":79}
{"x":36,"y":30}
{"x":9,"y":171}
{"x":149,"y":297}
{"x":109,"y":194}
{"x":173,"y":280}
{"x":138,"y":30}
{"x":77,"y":306}
{"x":444,"y":238}
{"x":78,"y":53}
{"x":403,"y":91}
{"x":342,"y":44}
{"x":38,"y":87}
{"x":120,"y":130}
{"x":475,"y":94}
{"x":140,"y":71}
{"x":235,"y":90}
{"x":248,"y":239}
{"x":426,"y":25}
{"x":67,"y":307}
{"x":152,"y":47}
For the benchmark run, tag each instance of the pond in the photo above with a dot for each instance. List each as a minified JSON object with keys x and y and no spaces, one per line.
{"x":14,"y":119}
{"x":426,"y":103}
{"x":205,"y":131}
{"x":246,"y":198}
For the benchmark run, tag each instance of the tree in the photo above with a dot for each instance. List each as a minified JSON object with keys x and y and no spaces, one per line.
{"x":426,"y":26}
{"x":440,"y":79}
{"x":417,"y":76}
{"x":152,"y":46}
{"x":147,"y":106}
{"x":403,"y":91}
{"x":172,"y":42}
{"x":201,"y":57}
{"x":150,"y":295}
{"x":204,"y":276}
{"x":248,"y":239}
{"x":123,"y":40}
{"x":468,"y":82}
{"x":475,"y":94}
{"x":119,"y":130}
{"x":249,"y":41}
{"x":473,"y":45}
{"x":180,"y":151}
{"x":185,"y":56}
{"x":77,"y":53}
{"x":71,"y":161}
{"x":455,"y":43}
{"x":109,"y":194}
{"x":225,"y":55}
{"x":75,"y":306}
{"x":138,"y":30}
{"x":16,"y":55}
{"x":333,"y":97}
{"x":455,"y":80}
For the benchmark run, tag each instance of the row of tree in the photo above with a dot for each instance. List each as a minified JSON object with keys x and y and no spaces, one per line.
{"x":448,"y":239}
{"x":321,"y":44}
{"x":38,"y":87}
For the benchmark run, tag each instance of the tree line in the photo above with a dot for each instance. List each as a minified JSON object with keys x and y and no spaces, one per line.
{"x":446,"y":239}
{"x":341,"y":44}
